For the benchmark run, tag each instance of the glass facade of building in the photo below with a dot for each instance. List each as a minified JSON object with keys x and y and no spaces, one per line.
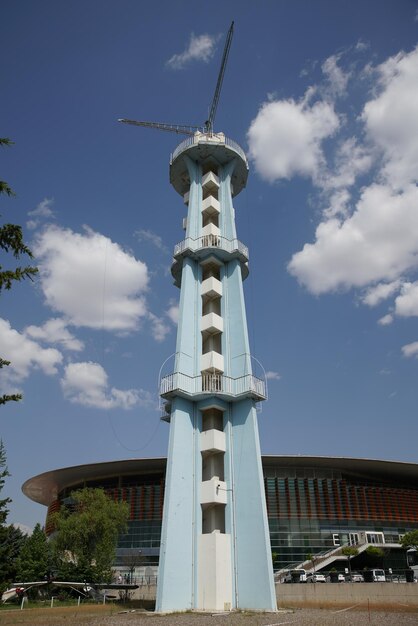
{"x":313,"y":506}
{"x":313,"y":510}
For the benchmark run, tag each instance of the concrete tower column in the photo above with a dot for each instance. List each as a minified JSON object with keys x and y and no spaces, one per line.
{"x":215,"y":547}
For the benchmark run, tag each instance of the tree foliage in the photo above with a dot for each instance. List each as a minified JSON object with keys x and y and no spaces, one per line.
{"x":410,"y":540}
{"x":4,"y":187}
{"x":349,"y":551}
{"x":11,"y":538}
{"x":14,"y":541}
{"x":34,"y":559}
{"x":86,"y":533}
{"x":11,"y":242}
{"x":4,"y":473}
{"x":375,"y":551}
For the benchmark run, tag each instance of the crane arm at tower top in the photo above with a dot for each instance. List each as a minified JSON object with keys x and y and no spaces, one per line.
{"x":173,"y":128}
{"x":211,"y":118}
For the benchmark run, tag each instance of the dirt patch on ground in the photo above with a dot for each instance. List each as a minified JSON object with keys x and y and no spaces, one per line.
{"x":118,"y":616}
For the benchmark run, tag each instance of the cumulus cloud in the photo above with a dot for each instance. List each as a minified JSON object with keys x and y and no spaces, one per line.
{"x":200,"y":48}
{"x":285,"y":137}
{"x":273,"y":375}
{"x":86,"y":383}
{"x":25,"y":355}
{"x":411,"y":349}
{"x":366,"y":237}
{"x":376,"y":294}
{"x":173,"y":312}
{"x":406,"y":304}
{"x":351,"y":160}
{"x":335,"y":75}
{"x":385,"y":320}
{"x":159,"y":328}
{"x":156,"y":240}
{"x":391,"y":120}
{"x":42,"y":211}
{"x":91,"y":280}
{"x":378,"y":242}
{"x":55,"y":331}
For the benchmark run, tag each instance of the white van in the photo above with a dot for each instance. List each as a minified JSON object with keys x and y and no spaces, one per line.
{"x":379,"y":575}
{"x":293,"y":575}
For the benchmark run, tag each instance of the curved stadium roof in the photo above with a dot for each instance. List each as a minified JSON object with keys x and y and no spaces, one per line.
{"x":45,"y":488}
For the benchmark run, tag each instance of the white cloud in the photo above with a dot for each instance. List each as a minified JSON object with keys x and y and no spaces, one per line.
{"x":337,"y":78}
{"x":376,"y":294}
{"x":55,"y":331}
{"x":200,"y":48}
{"x":43,"y":210}
{"x":25,"y":355}
{"x":156,"y":240}
{"x":385,"y":320}
{"x":406,"y":304}
{"x":173,"y":312}
{"x":411,"y":349}
{"x":351,"y":160}
{"x":338,"y":204}
{"x":86,"y":383}
{"x":272,"y":375}
{"x":91,"y":280}
{"x":26,"y":530}
{"x":391,"y":118}
{"x":378,"y":242}
{"x":159,"y":328}
{"x":285,"y":138}
{"x":367,"y":237}
{"x":361,"y":46}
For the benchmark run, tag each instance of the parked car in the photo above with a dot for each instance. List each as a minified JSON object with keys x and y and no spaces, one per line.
{"x":315,"y":578}
{"x":340,"y":578}
{"x":295,"y":576}
{"x":379,"y":575}
{"x":356,"y":577}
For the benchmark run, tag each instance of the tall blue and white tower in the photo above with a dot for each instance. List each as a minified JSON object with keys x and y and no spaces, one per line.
{"x":215,"y":545}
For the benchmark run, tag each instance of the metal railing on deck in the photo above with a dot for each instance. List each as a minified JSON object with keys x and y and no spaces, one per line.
{"x":214,"y":383}
{"x":206,"y":138}
{"x":211,"y":241}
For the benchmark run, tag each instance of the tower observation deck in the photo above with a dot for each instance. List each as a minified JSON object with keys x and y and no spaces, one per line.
{"x":215,"y":550}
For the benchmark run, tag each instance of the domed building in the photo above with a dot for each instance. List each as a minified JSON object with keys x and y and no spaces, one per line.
{"x":314,"y":505}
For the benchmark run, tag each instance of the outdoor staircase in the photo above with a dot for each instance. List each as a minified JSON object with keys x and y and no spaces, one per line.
{"x":323,"y":560}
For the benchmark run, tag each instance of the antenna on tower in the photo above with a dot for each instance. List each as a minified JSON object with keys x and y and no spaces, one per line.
{"x":208,"y":125}
{"x":211,"y":118}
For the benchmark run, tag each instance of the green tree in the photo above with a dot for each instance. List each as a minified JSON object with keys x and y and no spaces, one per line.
{"x":11,"y":241}
{"x":4,"y":529}
{"x":4,"y":187}
{"x":34,"y":560}
{"x":86,"y":533}
{"x":410,"y":540}
{"x":312,"y":558}
{"x":375,"y":556}
{"x":14,"y":541}
{"x":350,"y":552}
{"x":375,"y":552}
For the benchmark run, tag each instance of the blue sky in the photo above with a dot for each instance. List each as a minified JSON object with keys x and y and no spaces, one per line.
{"x":323,"y":97}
